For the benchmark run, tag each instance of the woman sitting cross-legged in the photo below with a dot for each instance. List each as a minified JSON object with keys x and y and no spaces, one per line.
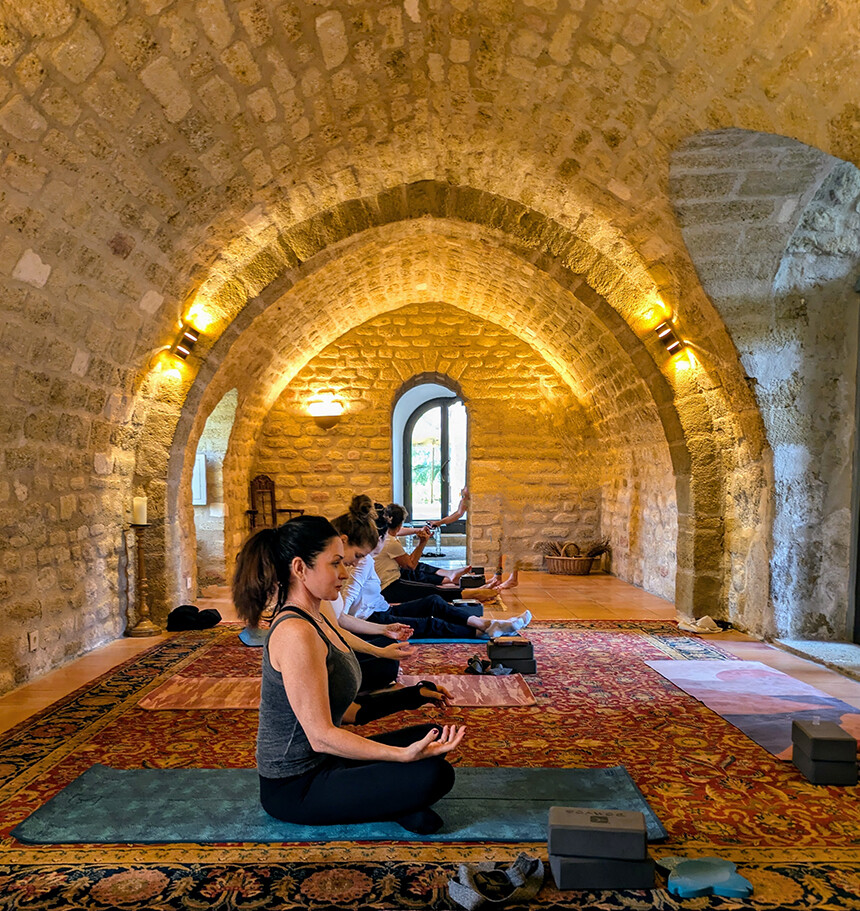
{"x":430,"y":617}
{"x":313,"y":771}
{"x":398,"y":570}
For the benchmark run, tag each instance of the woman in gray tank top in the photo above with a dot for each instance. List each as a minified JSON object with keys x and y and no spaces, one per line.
{"x":312,"y":770}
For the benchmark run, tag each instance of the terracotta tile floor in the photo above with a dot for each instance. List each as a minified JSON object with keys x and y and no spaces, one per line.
{"x":548,"y":597}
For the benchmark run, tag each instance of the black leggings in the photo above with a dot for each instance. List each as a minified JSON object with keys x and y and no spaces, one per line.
{"x":377,"y":672}
{"x":423,"y":572}
{"x":430,"y":618}
{"x":352,"y":790}
{"x":405,"y":590}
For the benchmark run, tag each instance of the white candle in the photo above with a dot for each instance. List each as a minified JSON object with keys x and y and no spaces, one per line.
{"x":138,"y":511}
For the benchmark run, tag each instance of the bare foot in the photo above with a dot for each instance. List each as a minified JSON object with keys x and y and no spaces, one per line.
{"x":511,"y":582}
{"x":455,"y":577}
{"x":495,"y":581}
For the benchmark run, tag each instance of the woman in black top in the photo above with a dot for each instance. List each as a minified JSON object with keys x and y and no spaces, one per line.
{"x":312,"y":770}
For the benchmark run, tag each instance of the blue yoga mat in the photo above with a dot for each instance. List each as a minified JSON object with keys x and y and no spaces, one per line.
{"x":257,"y":638}
{"x":164,"y":806}
{"x":437,"y":641}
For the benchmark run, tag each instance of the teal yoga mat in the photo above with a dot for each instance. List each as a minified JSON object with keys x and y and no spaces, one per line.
{"x":200,"y":806}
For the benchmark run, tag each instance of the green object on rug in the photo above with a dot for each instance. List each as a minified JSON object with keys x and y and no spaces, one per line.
{"x":155,"y":806}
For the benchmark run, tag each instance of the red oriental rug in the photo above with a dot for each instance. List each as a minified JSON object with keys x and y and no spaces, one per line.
{"x":597,"y":704}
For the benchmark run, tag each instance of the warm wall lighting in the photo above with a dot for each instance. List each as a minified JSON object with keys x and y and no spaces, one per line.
{"x":185,"y":341}
{"x":667,"y":335}
{"x":199,"y":316}
{"x":687,"y":361}
{"x":326,"y":409}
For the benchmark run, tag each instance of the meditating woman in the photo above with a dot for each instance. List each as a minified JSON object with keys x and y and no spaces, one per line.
{"x":313,"y":771}
{"x":430,"y":617}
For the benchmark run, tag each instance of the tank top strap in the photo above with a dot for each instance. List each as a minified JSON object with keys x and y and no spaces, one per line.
{"x":335,"y":631}
{"x":291,"y":608}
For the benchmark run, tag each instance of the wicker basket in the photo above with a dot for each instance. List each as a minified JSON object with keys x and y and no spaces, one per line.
{"x":570,"y":566}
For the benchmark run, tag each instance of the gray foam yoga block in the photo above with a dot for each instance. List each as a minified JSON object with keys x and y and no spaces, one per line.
{"x":819,"y":771}
{"x":601,"y":873}
{"x":506,"y":648}
{"x":825,"y":740}
{"x":586,"y":832}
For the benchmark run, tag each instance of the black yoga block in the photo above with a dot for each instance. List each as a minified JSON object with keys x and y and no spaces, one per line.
{"x":600,"y":873}
{"x":520,"y":665}
{"x":587,"y":832}
{"x":478,"y":571}
{"x":819,"y":771}
{"x":507,"y":647}
{"x":471,"y":580}
{"x":824,"y":741}
{"x":473,"y":607}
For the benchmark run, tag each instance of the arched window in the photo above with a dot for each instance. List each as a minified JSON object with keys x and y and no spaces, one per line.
{"x":432,"y":425}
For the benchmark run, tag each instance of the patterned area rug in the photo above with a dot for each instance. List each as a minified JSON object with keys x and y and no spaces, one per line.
{"x":598,"y":704}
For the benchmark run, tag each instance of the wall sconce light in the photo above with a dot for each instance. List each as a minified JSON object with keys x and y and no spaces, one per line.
{"x":326,"y":409}
{"x":669,"y":337}
{"x":185,"y":341}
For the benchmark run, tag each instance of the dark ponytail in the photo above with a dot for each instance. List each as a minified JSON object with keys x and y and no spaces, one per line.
{"x":359,"y":523}
{"x":263,"y":565}
{"x":395,"y":515}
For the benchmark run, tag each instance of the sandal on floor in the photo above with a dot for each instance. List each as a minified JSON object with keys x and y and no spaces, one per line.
{"x":486,"y":668}
{"x":477,"y":665}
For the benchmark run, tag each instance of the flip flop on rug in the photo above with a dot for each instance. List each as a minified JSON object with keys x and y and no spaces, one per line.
{"x":483,"y":883}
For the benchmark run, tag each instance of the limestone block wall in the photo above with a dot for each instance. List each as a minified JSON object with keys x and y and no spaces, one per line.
{"x":524,"y":485}
{"x":65,"y":459}
{"x":774,"y":231}
{"x":209,"y":517}
{"x":538,"y":468}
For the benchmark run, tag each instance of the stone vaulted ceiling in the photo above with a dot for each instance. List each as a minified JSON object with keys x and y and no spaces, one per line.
{"x":158,"y":156}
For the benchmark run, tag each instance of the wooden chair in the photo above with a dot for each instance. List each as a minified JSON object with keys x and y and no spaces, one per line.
{"x":264,"y":512}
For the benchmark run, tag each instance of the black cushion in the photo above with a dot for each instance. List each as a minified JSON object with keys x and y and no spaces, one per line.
{"x":187,"y":616}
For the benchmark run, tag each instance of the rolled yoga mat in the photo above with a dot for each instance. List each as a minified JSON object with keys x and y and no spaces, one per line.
{"x":203,"y":806}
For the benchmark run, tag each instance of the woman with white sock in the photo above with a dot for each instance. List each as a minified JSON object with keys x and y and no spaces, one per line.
{"x":430,"y":617}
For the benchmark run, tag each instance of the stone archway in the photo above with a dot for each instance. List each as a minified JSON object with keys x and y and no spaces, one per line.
{"x":701,"y":578}
{"x":772,"y":227}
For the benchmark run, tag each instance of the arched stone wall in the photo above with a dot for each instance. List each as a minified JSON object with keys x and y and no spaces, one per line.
{"x":772,"y":228}
{"x":536,"y":467}
{"x":209,"y":516}
{"x":156,"y":150}
{"x":706,"y":581}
